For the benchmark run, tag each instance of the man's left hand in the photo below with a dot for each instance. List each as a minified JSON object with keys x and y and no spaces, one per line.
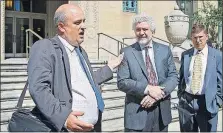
{"x":115,"y":62}
{"x":147,"y":101}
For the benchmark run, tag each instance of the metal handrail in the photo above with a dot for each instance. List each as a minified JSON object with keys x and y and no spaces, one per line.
{"x":118,"y":46}
{"x":108,"y":51}
{"x":27,"y":40}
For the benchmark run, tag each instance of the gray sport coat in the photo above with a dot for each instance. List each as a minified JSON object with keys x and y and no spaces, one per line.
{"x":133,"y":79}
{"x":50,"y":80}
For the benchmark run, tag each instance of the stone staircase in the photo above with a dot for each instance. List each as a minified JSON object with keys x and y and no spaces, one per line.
{"x":14,"y":76}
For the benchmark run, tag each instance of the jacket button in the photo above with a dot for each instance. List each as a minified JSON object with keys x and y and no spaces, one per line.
{"x":70,"y":100}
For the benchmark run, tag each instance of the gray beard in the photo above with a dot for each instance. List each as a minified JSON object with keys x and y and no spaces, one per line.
{"x":144,"y":41}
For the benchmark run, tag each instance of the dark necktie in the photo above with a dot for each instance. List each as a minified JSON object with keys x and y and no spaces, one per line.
{"x":151,"y":72}
{"x":97,"y":92}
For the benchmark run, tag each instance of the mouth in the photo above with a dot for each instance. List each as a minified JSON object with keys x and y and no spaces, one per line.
{"x":81,"y":34}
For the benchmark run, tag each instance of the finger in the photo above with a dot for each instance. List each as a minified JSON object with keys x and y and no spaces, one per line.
{"x":148,"y":105}
{"x":88,"y":129}
{"x":77,"y":128}
{"x":146,"y":102}
{"x":157,"y":98}
{"x":162,"y":92}
{"x":77,"y":113}
{"x":84,"y":125}
{"x":143,"y":100}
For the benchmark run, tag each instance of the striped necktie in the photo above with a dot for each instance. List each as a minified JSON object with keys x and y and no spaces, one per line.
{"x":197,"y":73}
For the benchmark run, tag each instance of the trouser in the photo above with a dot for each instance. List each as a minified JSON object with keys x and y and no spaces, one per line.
{"x":154,"y":122}
{"x":193,"y":114}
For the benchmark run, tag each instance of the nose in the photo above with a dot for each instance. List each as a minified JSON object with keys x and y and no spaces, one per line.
{"x":198,"y":39}
{"x":83,"y":26}
{"x":141,"y":32}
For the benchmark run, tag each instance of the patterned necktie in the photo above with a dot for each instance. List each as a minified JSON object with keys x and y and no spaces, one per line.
{"x":97,"y":92}
{"x":197,"y":73}
{"x":152,"y":79}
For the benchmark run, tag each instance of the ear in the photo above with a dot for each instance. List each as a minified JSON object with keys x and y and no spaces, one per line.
{"x":61,"y":27}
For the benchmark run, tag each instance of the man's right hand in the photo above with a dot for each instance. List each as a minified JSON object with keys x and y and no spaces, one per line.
{"x":74,"y":124}
{"x":155,"y":91}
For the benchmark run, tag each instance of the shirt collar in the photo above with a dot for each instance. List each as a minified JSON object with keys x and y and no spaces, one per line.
{"x":204,"y":51}
{"x":66,"y":44}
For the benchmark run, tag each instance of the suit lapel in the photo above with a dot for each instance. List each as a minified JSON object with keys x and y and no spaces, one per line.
{"x":187,"y":60}
{"x":58,"y":43}
{"x":137,"y":52}
{"x":211,"y":61}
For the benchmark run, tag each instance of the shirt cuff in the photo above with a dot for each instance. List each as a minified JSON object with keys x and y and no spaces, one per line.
{"x":146,"y":91}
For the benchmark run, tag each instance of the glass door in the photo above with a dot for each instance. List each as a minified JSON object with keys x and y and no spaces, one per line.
{"x":9,"y":37}
{"x":16,"y":25}
{"x":22,"y":24}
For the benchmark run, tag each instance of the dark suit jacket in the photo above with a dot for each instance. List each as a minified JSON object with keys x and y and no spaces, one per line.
{"x":133,"y":79}
{"x":50,"y":80}
{"x":212,"y":79}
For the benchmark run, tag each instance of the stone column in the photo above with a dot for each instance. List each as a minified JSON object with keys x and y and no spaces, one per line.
{"x":2,"y":29}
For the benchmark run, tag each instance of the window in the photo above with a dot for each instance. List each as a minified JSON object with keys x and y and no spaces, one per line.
{"x":130,"y":6}
{"x":26,"y":5}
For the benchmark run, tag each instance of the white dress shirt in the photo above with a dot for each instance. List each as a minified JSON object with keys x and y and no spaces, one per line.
{"x":84,"y":98}
{"x":151,"y":56}
{"x":204,"y":54}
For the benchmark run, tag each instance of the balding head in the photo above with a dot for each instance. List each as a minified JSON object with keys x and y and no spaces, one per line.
{"x":64,"y":11}
{"x":70,"y":22}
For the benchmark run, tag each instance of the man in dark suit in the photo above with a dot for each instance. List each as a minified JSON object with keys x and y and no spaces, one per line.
{"x":147,"y":75}
{"x":61,"y":81}
{"x":200,"y":85}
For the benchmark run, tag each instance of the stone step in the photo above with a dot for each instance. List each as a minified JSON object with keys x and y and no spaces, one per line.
{"x":4,"y":127}
{"x":19,"y":86}
{"x":107,"y":115}
{"x":10,"y":80}
{"x":13,"y":74}
{"x":14,"y":94}
{"x":113,"y":114}
{"x":109,"y":87}
{"x":13,"y":67}
{"x":115,"y":125}
{"x":28,"y":103}
{"x":12,"y":86}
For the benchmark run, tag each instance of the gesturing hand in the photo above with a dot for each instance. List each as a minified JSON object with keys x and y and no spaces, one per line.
{"x":115,"y":62}
{"x":74,"y":124}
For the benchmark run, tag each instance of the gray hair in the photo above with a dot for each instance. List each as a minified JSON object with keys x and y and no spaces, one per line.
{"x":144,"y":18}
{"x":59,"y":17}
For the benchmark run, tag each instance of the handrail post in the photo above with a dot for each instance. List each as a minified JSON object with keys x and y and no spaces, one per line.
{"x":98,"y":44}
{"x":27,"y":40}
{"x":118,"y":48}
{"x":27,"y":45}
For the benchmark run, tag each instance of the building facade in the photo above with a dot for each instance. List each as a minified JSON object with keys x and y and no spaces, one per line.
{"x":113,"y":18}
